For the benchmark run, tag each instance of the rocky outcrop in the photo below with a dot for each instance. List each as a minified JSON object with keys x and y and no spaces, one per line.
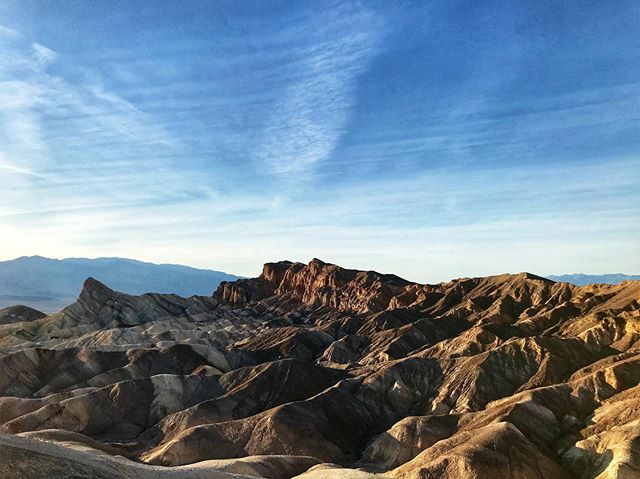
{"x":99,"y":304}
{"x":107,"y":320}
{"x":126,"y":408}
{"x":407,"y":438}
{"x":19,"y":313}
{"x":60,"y":455}
{"x":509,"y":376}
{"x":316,"y":285}
{"x":496,"y":450}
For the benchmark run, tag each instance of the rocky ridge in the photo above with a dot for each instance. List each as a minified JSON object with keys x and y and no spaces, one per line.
{"x":312,"y":370}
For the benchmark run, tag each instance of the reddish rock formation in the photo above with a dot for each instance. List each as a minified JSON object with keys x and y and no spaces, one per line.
{"x":509,"y":376}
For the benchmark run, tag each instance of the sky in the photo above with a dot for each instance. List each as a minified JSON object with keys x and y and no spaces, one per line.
{"x":433,"y":140}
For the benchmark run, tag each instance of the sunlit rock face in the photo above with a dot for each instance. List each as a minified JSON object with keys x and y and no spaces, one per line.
{"x":314,"y":371}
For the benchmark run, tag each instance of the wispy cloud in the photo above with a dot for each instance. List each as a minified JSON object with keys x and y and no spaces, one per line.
{"x":13,"y":168}
{"x":7,"y":32}
{"x":373,"y":225}
{"x":42,"y":55}
{"x":306,"y":123}
{"x":363,"y":133}
{"x":49,"y":123}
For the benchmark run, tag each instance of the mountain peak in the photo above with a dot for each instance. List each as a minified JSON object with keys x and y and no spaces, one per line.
{"x":534,"y":277}
{"x":317,"y":263}
{"x":273,"y":273}
{"x":95,"y":290}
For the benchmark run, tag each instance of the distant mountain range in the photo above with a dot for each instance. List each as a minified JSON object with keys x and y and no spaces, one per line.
{"x":583,"y":279}
{"x":50,"y":284}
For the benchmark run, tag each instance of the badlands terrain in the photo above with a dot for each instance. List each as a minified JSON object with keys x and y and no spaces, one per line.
{"x":315,"y":371}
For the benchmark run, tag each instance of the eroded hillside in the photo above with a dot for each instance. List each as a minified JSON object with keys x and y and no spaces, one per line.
{"x":317,"y":371}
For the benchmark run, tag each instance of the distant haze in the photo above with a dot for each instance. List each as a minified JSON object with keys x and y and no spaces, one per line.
{"x":582,"y":279}
{"x":50,"y":284}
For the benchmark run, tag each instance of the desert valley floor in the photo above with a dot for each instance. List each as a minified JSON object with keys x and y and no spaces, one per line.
{"x":315,"y":371}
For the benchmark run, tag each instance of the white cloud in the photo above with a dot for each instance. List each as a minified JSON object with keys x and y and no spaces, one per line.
{"x":307,"y":121}
{"x":7,"y":32}
{"x":88,"y":170}
{"x":42,"y":55}
{"x":12,"y":168}
{"x":79,"y":116}
{"x":424,"y":241}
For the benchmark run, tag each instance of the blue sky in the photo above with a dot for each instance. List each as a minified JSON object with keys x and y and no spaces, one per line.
{"x":430,"y":139}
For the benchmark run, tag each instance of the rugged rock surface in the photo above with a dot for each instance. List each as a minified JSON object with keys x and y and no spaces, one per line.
{"x":19,"y":313}
{"x":317,"y":371}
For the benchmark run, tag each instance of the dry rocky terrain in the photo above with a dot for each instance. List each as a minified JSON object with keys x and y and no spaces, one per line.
{"x":315,"y":371}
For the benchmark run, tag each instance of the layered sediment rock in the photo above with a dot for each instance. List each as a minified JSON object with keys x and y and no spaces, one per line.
{"x":371,"y":375}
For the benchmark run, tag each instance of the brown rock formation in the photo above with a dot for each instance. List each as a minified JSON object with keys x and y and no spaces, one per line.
{"x":19,"y":313}
{"x":510,"y":376}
